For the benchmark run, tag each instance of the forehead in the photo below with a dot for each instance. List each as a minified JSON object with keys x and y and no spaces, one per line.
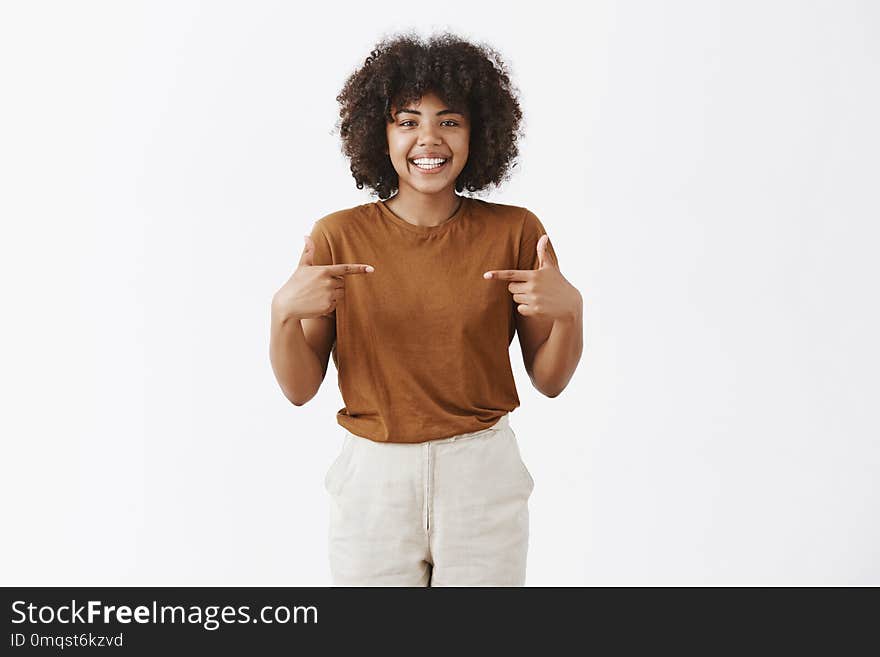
{"x":429,"y":100}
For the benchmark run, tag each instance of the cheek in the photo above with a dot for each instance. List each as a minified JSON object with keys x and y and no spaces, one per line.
{"x":463,"y":148}
{"x":400,"y":166}
{"x":396,"y":154}
{"x":398,"y":150}
{"x":461,"y":158}
{"x":394,"y":143}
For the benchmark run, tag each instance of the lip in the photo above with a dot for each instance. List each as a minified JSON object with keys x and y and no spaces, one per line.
{"x":434,"y":171}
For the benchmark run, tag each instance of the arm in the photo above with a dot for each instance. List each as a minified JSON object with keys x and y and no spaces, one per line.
{"x":299,"y":350}
{"x":549,"y":319}
{"x":552,"y":349}
{"x":548,"y":311}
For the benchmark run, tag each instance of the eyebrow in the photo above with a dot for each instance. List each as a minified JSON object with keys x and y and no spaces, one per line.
{"x":412,"y":111}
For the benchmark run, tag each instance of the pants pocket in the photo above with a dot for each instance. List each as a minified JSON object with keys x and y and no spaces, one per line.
{"x":527,"y":476}
{"x":334,"y":478}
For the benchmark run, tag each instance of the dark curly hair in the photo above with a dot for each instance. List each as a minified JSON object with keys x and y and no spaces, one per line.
{"x":403,"y":68}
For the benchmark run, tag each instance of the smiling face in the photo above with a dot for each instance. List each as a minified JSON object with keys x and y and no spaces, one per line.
{"x":428,"y":128}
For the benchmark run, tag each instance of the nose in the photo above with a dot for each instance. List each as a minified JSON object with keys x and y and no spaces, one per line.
{"x":428,"y":135}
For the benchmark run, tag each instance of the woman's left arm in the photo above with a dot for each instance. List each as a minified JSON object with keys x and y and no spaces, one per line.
{"x":557,"y":358}
{"x":549,"y":321}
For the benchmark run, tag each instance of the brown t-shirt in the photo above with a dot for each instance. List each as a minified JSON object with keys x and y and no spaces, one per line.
{"x":422,"y":343}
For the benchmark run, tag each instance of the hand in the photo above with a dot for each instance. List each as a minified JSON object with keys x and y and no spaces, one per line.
{"x":313,"y":290}
{"x":542,"y":292}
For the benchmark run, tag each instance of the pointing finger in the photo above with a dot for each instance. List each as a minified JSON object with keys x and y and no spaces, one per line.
{"x":345,"y":269}
{"x":510,"y":274}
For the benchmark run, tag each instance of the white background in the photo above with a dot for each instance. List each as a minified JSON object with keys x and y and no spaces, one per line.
{"x":707,"y":172}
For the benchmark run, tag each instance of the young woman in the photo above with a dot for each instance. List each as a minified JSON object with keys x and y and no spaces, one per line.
{"x":418,"y":296}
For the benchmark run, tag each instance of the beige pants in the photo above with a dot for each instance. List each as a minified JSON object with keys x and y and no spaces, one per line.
{"x":449,"y":512}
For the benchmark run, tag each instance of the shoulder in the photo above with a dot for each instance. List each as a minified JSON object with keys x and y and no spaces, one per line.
{"x":336,"y":222}
{"x":517,"y":218}
{"x":512,"y":215}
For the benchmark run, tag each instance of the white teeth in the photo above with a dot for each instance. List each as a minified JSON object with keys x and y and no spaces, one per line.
{"x":428,"y":163}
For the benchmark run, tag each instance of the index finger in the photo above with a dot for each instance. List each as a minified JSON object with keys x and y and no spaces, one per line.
{"x":346,"y":269}
{"x":510,"y":274}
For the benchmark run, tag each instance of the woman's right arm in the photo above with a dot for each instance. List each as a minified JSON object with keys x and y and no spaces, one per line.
{"x":304,"y":324}
{"x":300,"y":351}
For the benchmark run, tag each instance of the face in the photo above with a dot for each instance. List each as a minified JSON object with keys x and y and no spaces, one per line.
{"x":428,"y":128}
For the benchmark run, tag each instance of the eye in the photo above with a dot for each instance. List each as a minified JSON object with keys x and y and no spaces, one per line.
{"x":403,"y":123}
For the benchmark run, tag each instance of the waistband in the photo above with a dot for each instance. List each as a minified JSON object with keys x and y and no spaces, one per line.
{"x":502,"y":423}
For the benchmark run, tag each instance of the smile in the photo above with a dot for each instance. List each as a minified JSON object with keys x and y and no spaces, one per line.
{"x":430,"y":165}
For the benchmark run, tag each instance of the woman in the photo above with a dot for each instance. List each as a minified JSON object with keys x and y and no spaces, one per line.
{"x":418,"y":296}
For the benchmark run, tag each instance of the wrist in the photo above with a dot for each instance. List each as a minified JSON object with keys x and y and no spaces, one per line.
{"x":280,"y":313}
{"x":576,"y":310}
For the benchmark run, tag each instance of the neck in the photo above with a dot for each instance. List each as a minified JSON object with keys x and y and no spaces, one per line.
{"x":424,"y":209}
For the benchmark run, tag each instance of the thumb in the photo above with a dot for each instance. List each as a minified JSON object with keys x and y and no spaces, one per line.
{"x":542,"y":250}
{"x":308,"y":252}
{"x":546,"y":257}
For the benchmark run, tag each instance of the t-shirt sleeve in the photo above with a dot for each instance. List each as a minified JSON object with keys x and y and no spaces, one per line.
{"x":528,"y":245}
{"x":323,"y":255}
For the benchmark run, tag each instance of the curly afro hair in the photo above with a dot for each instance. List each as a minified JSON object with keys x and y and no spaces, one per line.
{"x":403,"y":68}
